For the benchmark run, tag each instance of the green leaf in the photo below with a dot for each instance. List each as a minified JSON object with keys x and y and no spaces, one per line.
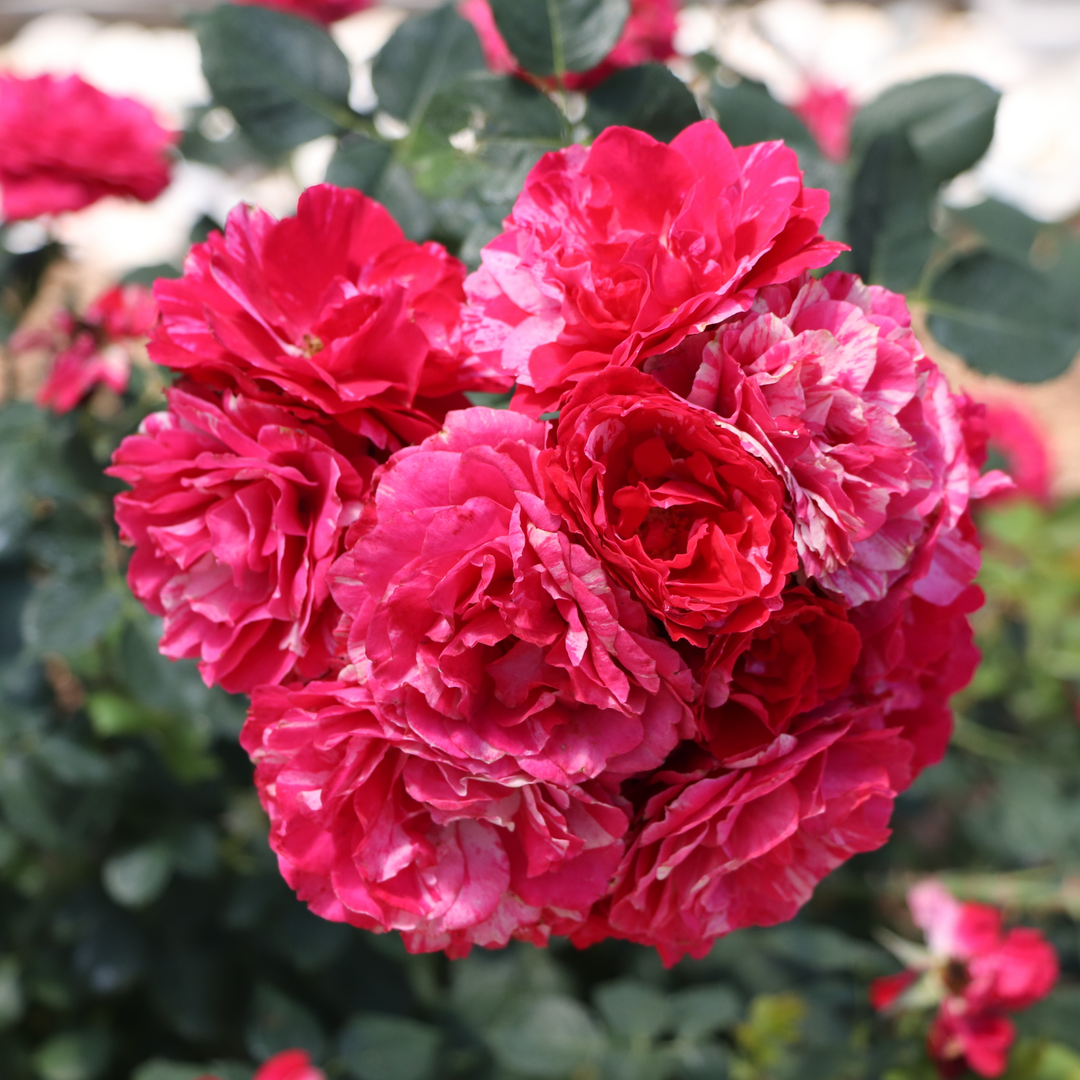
{"x":1004,"y":228}
{"x":888,"y":222}
{"x":493,"y":107}
{"x":12,"y":1001}
{"x":1003,"y":319}
{"x":424,"y":54}
{"x":551,"y":37}
{"x":281,"y":76}
{"x":701,"y":1010}
{"x":632,"y":1008}
{"x":160,"y":1069}
{"x":749,"y":114}
{"x":549,"y":1036}
{"x":278,"y":1022}
{"x":359,"y":162}
{"x":74,"y":1055}
{"x":66,"y":615}
{"x":650,"y":98}
{"x":949,"y":120}
{"x":138,"y":877}
{"x":375,"y":1047}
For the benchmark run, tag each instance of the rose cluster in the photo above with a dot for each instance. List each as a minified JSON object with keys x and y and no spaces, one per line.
{"x":646,"y":654}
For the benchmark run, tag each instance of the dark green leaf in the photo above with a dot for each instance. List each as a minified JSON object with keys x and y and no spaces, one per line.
{"x":632,"y":1008}
{"x":66,"y":615}
{"x":75,"y":1055}
{"x":748,"y":114}
{"x":493,"y":107}
{"x":1002,"y":318}
{"x":888,"y":223}
{"x":424,"y":54}
{"x":359,"y":162}
{"x":137,"y":877}
{"x":701,"y":1010}
{"x":278,"y":1022}
{"x":949,"y":120}
{"x":650,"y":98}
{"x":551,"y":37}
{"x":281,"y":76}
{"x":377,"y":1047}
{"x":550,"y":1036}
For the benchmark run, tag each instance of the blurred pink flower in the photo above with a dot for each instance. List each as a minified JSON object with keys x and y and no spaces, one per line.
{"x":1015,"y":435}
{"x":974,"y":973}
{"x":828,"y":112}
{"x":64,"y":144}
{"x":92,"y":349}
{"x":321,"y":11}
{"x":288,"y":1065}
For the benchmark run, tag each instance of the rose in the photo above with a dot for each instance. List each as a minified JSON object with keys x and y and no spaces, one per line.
{"x":674,"y":502}
{"x":479,"y":622}
{"x":377,"y":827}
{"x":331,"y":313}
{"x":616,"y":253}
{"x":756,"y":681}
{"x":321,"y":11}
{"x":237,"y":511}
{"x":65,"y":144}
{"x":93,"y":349}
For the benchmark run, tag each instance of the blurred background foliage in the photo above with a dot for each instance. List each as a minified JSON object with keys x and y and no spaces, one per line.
{"x":144,"y":931}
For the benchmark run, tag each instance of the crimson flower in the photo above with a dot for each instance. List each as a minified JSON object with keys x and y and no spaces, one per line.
{"x":828,"y":112}
{"x":64,"y":144}
{"x":974,"y":973}
{"x":616,"y":253}
{"x":288,"y":1065}
{"x":331,"y":314}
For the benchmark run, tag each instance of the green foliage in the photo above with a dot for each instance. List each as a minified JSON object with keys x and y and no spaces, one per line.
{"x":552,"y":37}
{"x":1003,"y":318}
{"x":648,"y":97}
{"x":281,"y":76}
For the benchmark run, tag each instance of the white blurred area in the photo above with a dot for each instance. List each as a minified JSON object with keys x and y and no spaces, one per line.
{"x":160,"y":67}
{"x":1029,"y":49}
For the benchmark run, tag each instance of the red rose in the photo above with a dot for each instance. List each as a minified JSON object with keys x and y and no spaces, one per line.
{"x":236,"y":514}
{"x":755,"y":682}
{"x":616,"y":253}
{"x":331,"y":313}
{"x":64,"y":144}
{"x":674,"y":502}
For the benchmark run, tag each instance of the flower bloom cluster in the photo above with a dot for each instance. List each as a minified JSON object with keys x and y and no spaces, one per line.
{"x":94,"y":349}
{"x":64,"y":144}
{"x":973,"y":973}
{"x":648,"y":35}
{"x":645,"y":655}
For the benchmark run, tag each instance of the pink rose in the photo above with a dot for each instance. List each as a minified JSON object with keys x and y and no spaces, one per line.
{"x":376,"y":826}
{"x":828,"y":112}
{"x":722,"y":845}
{"x":64,"y":144}
{"x":92,"y":349}
{"x":331,"y":313}
{"x":320,"y":11}
{"x":288,"y":1065}
{"x":483,"y":626}
{"x":647,"y":35}
{"x":974,"y":973}
{"x":237,"y":511}
{"x":615,"y":253}
{"x":675,"y":503}
{"x":829,"y":378}
{"x":1015,"y":435}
